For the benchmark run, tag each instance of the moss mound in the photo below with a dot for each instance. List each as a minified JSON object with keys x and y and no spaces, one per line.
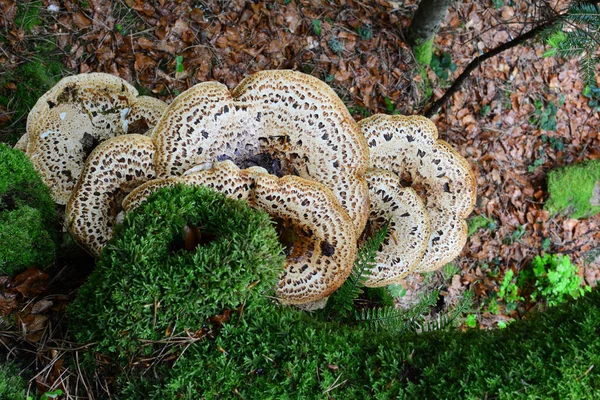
{"x":12,"y":385}
{"x":27,"y":224}
{"x":575,"y":190}
{"x":276,"y":352}
{"x":151,"y":282}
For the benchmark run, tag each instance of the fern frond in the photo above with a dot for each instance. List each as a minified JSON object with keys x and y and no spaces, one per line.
{"x":399,"y":321}
{"x":341,"y":303}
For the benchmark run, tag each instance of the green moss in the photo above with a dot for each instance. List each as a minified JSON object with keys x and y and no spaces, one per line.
{"x":27,"y":229}
{"x":478,"y":222}
{"x":146,"y":286}
{"x":424,"y":52}
{"x":575,"y":190}
{"x":28,"y":15}
{"x":277,"y":352}
{"x":25,"y":241}
{"x":12,"y":385}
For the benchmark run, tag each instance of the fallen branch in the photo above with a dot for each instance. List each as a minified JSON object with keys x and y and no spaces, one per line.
{"x":476,"y":62}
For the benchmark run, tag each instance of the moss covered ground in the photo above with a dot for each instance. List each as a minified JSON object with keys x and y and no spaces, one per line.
{"x":575,"y":190}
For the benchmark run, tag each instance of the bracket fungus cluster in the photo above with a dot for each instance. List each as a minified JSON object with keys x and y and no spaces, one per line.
{"x":281,"y":140}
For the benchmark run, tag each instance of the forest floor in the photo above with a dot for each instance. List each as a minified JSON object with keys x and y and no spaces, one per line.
{"x":518,"y":116}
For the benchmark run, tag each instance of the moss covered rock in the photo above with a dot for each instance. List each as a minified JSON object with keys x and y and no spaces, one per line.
{"x":575,"y":190}
{"x":185,"y":255}
{"x":27,"y":223}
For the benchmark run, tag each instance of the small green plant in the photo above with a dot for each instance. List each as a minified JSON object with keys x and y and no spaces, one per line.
{"x":556,"y":279}
{"x":54,"y":394}
{"x":592,"y":92}
{"x":316,"y":26}
{"x":120,"y":29}
{"x":498,"y":4}
{"x":509,"y":291}
{"x":179,"y":68}
{"x":555,"y":142}
{"x":516,"y":236}
{"x":539,"y":161}
{"x":442,"y":65}
{"x":546,"y":243}
{"x":471,"y":321}
{"x":364,"y":31}
{"x":335,"y":45}
{"x":485,"y":110}
{"x":390,"y":106}
{"x":480,"y":222}
{"x":449,"y":270}
{"x":544,"y":117}
{"x":397,"y":291}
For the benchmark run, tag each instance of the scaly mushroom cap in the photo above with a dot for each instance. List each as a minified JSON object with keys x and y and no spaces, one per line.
{"x":448,"y":237}
{"x":288,"y":122}
{"x":144,"y":115}
{"x":59,"y":152}
{"x":318,"y":233}
{"x":113,"y":169}
{"x":22,"y":143}
{"x":408,"y":229}
{"x":408,"y":146}
{"x":71,"y":119}
{"x":224,"y":177}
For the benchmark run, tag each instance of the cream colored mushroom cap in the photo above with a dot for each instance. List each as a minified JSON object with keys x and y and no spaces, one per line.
{"x":409,"y":146}
{"x":448,"y":237}
{"x":22,"y":143}
{"x":408,"y":229}
{"x":323,"y":248}
{"x":114,"y":168}
{"x":144,"y":115}
{"x":69,"y":120}
{"x":224,"y":177}
{"x":287,"y":121}
{"x":58,"y":153}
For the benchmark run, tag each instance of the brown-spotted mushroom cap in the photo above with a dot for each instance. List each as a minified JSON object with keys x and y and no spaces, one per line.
{"x":70,"y":120}
{"x":408,"y":229}
{"x":224,"y":177}
{"x":318,"y":233}
{"x":447,"y":239}
{"x":144,"y":115}
{"x":288,"y":122}
{"x":22,"y":143}
{"x":114,"y":168}
{"x":409,"y":147}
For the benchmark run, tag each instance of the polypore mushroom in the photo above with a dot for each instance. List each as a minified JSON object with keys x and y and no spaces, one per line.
{"x":318,"y":233}
{"x":409,"y":147}
{"x":144,"y":114}
{"x":72,"y":118}
{"x":22,"y":143}
{"x":285,"y":121}
{"x":114,"y":168}
{"x":408,"y":228}
{"x":224,"y":177}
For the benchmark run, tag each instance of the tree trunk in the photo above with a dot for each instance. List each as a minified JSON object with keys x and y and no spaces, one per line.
{"x":427,"y":19}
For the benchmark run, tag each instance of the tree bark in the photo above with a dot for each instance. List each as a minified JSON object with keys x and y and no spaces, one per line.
{"x":427,"y":19}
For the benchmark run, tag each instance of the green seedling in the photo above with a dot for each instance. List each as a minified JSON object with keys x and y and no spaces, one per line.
{"x":316,"y":26}
{"x":480,"y":222}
